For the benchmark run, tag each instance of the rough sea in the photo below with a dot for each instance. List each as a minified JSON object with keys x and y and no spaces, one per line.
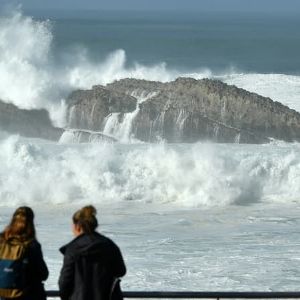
{"x":206,"y":217}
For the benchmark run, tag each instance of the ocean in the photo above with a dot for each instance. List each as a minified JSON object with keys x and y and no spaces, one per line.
{"x":207,"y":217}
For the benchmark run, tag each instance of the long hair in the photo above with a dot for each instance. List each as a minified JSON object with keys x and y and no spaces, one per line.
{"x":21,"y":225}
{"x":86,"y":219}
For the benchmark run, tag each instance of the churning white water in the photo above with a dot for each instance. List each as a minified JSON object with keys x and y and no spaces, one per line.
{"x":184,"y":175}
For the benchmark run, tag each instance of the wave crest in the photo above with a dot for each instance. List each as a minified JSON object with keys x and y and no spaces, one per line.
{"x":202,"y":175}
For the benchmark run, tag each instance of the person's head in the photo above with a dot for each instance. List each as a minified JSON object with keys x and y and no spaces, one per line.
{"x":84,"y":220}
{"x":21,"y":224}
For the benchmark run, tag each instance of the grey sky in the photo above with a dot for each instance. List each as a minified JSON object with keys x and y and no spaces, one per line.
{"x":198,"y":5}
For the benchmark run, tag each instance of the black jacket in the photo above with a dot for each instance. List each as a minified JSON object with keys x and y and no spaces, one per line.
{"x":37,"y":272}
{"x":91,"y":264}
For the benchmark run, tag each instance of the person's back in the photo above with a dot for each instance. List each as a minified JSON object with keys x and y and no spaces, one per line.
{"x":92,"y":263}
{"x":19,"y":236}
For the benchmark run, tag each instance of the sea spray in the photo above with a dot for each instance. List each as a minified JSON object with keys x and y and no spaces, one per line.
{"x":121,"y":126}
{"x":85,"y":73}
{"x":279,"y":87}
{"x":26,"y":52}
{"x":200,"y":175}
{"x":28,"y":75}
{"x":24,"y":49}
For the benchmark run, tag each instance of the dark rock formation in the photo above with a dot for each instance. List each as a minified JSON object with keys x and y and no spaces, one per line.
{"x":29,"y":123}
{"x":186,"y":110}
{"x":88,"y":109}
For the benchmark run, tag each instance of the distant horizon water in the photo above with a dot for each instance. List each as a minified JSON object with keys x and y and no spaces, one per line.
{"x":248,"y":42}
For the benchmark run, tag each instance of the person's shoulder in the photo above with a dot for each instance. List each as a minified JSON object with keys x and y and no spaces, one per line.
{"x":33,"y":244}
{"x":101,"y":237}
{"x":106,"y":240}
{"x":68,"y":247}
{"x":73,"y":246}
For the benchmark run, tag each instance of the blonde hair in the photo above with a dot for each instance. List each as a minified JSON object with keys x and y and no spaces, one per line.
{"x":86,"y":219}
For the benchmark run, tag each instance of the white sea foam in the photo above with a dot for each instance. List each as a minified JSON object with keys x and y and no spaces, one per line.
{"x":24,"y":46}
{"x":202,"y":175}
{"x":278,"y":87}
{"x":27,"y":75}
{"x":85,"y":74}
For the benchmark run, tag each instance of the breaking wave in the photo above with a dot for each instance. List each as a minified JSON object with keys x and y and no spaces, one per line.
{"x":202,"y":175}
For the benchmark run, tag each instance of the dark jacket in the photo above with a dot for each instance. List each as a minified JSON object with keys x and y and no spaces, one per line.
{"x":35,"y":273}
{"x":92,"y":262}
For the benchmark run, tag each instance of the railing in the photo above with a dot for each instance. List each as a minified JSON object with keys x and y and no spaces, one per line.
{"x":201,"y":295}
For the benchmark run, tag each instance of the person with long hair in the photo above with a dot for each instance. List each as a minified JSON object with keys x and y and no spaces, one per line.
{"x":92,"y":262}
{"x":21,"y":229}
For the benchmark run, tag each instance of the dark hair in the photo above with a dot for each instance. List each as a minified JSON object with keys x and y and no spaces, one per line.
{"x":21,"y":224}
{"x":86,"y":219}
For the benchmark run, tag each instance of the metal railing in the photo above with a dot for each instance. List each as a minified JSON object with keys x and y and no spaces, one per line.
{"x":202,"y":295}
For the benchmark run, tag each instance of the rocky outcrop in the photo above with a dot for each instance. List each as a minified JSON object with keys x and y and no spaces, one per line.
{"x":88,"y":109}
{"x":28,"y":123}
{"x":186,"y":110}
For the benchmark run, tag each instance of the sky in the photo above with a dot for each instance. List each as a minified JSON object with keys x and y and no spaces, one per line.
{"x":153,"y":5}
